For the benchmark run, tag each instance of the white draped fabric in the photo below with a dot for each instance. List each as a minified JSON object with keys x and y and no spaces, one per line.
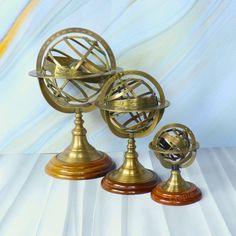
{"x":33,"y":203}
{"x":189,"y":46}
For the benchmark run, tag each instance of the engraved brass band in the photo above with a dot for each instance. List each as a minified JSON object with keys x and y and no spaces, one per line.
{"x":66,"y":69}
{"x":175,"y":151}
{"x":91,"y":78}
{"x":132,"y":104}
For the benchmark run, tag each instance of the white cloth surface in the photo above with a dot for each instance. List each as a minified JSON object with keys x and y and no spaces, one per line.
{"x":33,"y":203}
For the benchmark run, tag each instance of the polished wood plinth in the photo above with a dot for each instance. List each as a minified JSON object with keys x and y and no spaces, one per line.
{"x":129,"y":188}
{"x":193,"y":194}
{"x":79,"y":171}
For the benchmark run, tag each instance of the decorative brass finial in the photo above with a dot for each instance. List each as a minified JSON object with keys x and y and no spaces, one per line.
{"x":175,"y":146}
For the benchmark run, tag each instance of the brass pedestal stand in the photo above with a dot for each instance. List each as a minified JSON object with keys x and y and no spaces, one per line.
{"x":131,"y":177}
{"x":175,"y":146}
{"x":72,"y":66}
{"x":79,"y":160}
{"x":176,"y":191}
{"x":132,"y":103}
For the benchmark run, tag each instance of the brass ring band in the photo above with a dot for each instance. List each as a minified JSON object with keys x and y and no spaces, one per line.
{"x":167,"y":152}
{"x":132,"y":103}
{"x":66,"y":67}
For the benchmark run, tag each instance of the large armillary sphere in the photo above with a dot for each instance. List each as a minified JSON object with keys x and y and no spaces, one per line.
{"x":72,"y":66}
{"x":132,"y":103}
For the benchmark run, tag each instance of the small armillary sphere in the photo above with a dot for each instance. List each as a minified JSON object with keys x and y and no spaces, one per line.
{"x":175,"y":146}
{"x":132,"y":103}
{"x":72,"y":66}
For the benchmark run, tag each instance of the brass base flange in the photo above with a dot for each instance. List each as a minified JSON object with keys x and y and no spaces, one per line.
{"x":79,"y":160}
{"x":176,"y":191}
{"x":131,"y":177}
{"x":113,"y":186}
{"x":193,"y":194}
{"x":79,"y":171}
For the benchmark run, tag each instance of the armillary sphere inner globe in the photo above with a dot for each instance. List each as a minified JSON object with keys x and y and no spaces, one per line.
{"x":175,"y":145}
{"x":72,"y":65}
{"x":132,"y":103}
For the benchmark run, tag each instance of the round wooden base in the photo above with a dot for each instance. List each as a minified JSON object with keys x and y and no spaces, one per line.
{"x":193,"y":194}
{"x":79,"y":171}
{"x":129,"y":188}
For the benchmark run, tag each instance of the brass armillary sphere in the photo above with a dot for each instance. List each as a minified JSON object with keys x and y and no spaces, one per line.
{"x":132,"y":103}
{"x":72,"y":66}
{"x":175,"y":146}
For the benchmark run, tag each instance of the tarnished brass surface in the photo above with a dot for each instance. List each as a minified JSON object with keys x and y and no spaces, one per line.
{"x":143,"y":103}
{"x":146,"y":104}
{"x":79,"y":151}
{"x":132,"y":103}
{"x":175,"y":183}
{"x":74,"y":53}
{"x":71,"y":67}
{"x":79,"y":160}
{"x":131,"y":170}
{"x":91,"y":78}
{"x":175,"y":146}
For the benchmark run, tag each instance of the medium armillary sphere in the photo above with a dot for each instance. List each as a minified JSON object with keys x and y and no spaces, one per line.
{"x":175,"y":146}
{"x":132,"y":103}
{"x":72,"y":66}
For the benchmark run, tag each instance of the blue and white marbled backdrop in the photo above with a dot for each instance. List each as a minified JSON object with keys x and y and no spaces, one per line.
{"x":189,"y":46}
